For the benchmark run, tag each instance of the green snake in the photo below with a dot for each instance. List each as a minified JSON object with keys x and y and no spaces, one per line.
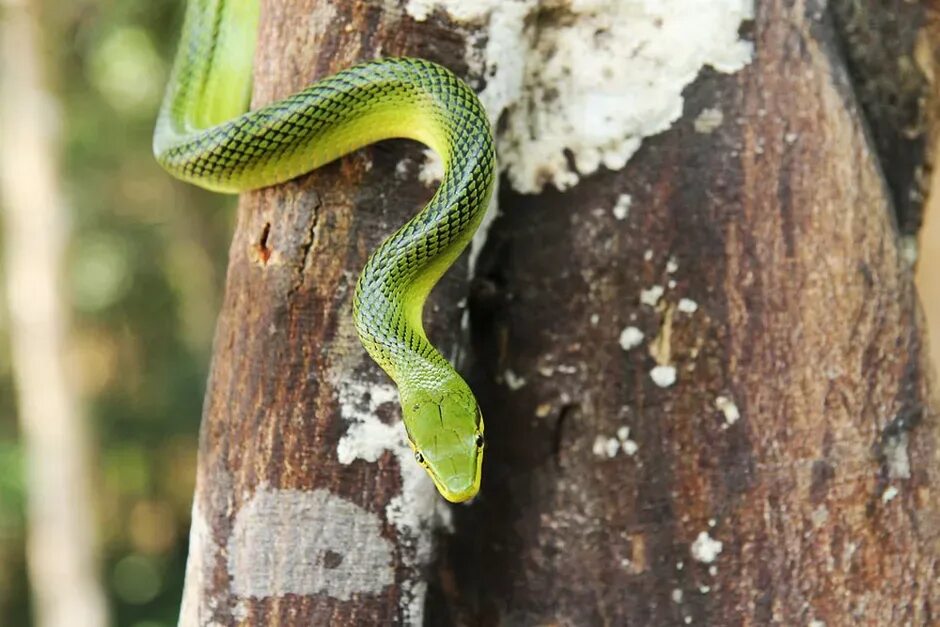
{"x":205,"y":135}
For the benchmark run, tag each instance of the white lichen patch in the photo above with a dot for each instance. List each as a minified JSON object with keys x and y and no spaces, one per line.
{"x":888,"y":495}
{"x":896,"y":457}
{"x":708,"y":120}
{"x":687,"y":306}
{"x":630,"y":338}
{"x":727,"y":407}
{"x":909,"y":249}
{"x":368,"y":437}
{"x":594,"y":81}
{"x":241,"y":612}
{"x":672,"y":265}
{"x":622,"y":207}
{"x":317,"y":542}
{"x":608,"y":447}
{"x":605,"y":447}
{"x":651,"y":295}
{"x":628,"y":446}
{"x":705,"y":549}
{"x":460,"y":10}
{"x":513,"y":381}
{"x":663,"y":376}
{"x":402,"y":167}
{"x":432,"y":170}
{"x":676,"y":595}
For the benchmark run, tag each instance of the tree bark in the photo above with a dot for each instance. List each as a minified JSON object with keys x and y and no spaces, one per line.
{"x":63,"y":569}
{"x":789,"y":475}
{"x":786,"y":476}
{"x":309,"y":508}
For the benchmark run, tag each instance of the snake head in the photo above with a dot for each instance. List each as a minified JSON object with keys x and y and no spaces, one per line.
{"x":445,"y":429}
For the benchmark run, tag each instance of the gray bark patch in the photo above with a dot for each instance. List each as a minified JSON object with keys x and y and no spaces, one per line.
{"x":195,"y":609}
{"x":297,"y":542}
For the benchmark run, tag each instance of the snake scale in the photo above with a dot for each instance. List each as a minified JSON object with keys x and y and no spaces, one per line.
{"x":205,"y":135}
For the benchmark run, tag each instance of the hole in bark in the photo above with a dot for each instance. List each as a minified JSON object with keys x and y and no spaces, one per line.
{"x":564,"y":416}
{"x":261,"y":248}
{"x":332,"y":559}
{"x":747,"y":29}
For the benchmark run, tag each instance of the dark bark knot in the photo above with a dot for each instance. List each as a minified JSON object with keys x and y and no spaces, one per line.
{"x":261,"y":249}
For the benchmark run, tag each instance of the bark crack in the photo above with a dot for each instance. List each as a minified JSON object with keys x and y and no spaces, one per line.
{"x":307,"y":244}
{"x":564,"y":416}
{"x":262,"y":250}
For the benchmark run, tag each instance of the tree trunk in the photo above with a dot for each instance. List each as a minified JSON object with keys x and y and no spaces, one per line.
{"x":702,"y":373}
{"x":789,"y":474}
{"x":309,"y":507}
{"x":63,"y":569}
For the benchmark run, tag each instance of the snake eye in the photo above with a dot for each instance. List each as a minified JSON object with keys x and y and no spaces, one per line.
{"x":419,"y":457}
{"x":479,"y":440}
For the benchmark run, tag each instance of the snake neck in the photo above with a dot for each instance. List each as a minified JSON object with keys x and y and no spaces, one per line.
{"x":397,"y":279}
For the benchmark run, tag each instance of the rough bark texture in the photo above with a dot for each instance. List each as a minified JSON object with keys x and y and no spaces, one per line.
{"x":797,"y":433}
{"x":283,"y":532}
{"x":821,"y":487}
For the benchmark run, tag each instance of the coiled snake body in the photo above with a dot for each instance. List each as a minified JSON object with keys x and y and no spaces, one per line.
{"x":205,"y":136}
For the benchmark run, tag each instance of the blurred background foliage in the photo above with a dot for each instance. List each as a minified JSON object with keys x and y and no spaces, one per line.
{"x":145,"y":274}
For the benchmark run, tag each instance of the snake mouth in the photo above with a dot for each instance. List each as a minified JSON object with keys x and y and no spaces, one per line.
{"x":457,"y":490}
{"x":453,"y":458}
{"x":457,"y":487}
